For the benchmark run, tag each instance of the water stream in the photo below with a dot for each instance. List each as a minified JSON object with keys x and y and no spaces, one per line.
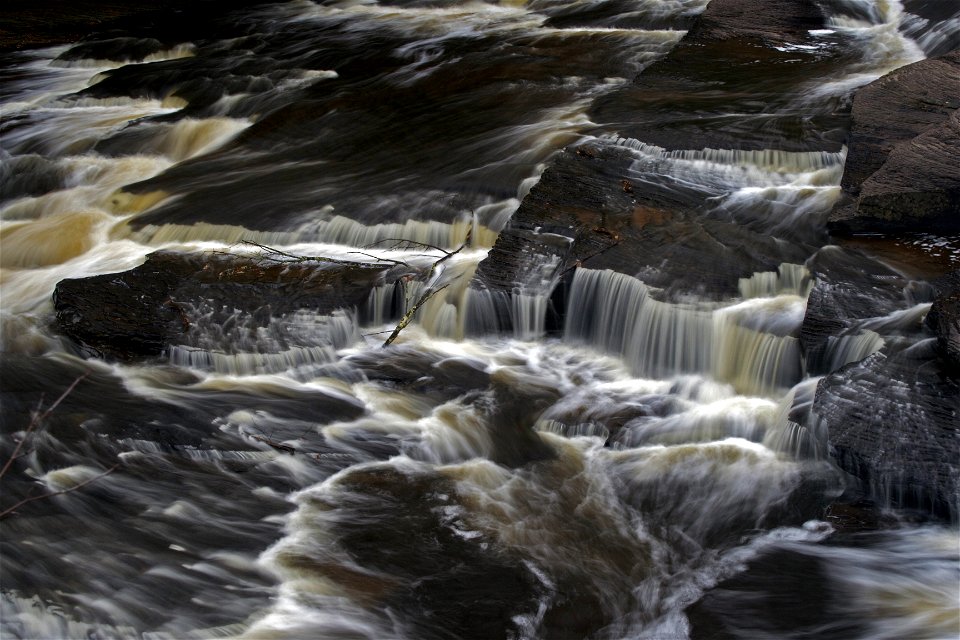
{"x":291,"y":478}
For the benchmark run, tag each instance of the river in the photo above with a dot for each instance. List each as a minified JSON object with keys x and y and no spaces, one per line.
{"x":639,"y":471}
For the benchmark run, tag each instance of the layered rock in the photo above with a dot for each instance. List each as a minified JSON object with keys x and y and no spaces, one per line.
{"x":592,"y":209}
{"x":851,"y":289}
{"x":585,"y":211}
{"x":751,"y":58}
{"x":892,"y":423}
{"x":903,"y":165}
{"x":139,"y":312}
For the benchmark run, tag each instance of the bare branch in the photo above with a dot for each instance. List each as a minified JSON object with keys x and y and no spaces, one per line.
{"x":35,"y":422}
{"x":279,"y":446}
{"x":413,"y":243}
{"x":380,"y":259}
{"x":408,"y":316}
{"x":9,"y":511}
{"x":296,"y":259}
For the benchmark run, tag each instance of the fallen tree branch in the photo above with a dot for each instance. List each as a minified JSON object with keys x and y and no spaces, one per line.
{"x":410,"y":243}
{"x":429,"y":293}
{"x":292,"y":258}
{"x":408,"y":316}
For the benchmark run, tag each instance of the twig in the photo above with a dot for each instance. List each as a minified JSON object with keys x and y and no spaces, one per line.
{"x":415,"y":243}
{"x":9,"y":511}
{"x":579,"y":262}
{"x":35,"y":422}
{"x":276,"y":445}
{"x":380,"y":259}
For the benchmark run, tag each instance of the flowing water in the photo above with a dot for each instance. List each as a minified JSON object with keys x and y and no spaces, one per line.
{"x":292,"y":478}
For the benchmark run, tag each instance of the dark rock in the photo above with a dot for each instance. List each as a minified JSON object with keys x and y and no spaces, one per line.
{"x":903,"y":165}
{"x":447,"y":585}
{"x":137,"y":313}
{"x":39,"y":23}
{"x":28,"y":175}
{"x":579,"y":214}
{"x":780,"y":594}
{"x":592,"y":208}
{"x":903,"y":442}
{"x":944,"y":320}
{"x":748,"y":57}
{"x":121,"y":49}
{"x":849,"y":288}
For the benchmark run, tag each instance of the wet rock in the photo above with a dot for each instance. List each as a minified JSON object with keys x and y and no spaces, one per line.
{"x":137,"y":313}
{"x":780,"y":594}
{"x":903,"y":166}
{"x":903,"y":444}
{"x":580,"y":215}
{"x":28,"y":175}
{"x":449,"y":581}
{"x":849,"y":288}
{"x":944,"y":320}
{"x":592,"y":209}
{"x":742,"y":56}
{"x":38,"y":23}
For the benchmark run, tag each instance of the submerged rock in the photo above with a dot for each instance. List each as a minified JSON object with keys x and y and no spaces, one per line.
{"x":139,"y":312}
{"x":903,"y":166}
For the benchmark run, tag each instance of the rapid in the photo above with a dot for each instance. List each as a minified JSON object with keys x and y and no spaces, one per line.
{"x":648,"y":467}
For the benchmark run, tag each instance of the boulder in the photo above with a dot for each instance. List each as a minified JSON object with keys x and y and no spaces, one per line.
{"x":902,"y":444}
{"x":139,"y":312}
{"x":902,"y":172}
{"x":596,"y":207}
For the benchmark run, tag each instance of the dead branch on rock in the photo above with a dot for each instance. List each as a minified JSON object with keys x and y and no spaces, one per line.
{"x":276,"y":255}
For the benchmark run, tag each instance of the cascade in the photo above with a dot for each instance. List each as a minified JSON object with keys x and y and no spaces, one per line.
{"x":618,"y":314}
{"x":572,"y":454}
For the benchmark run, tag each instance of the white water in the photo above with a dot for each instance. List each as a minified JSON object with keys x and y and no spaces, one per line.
{"x":693,"y":399}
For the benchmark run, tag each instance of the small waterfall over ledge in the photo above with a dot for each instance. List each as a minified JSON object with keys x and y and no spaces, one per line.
{"x":750,"y":345}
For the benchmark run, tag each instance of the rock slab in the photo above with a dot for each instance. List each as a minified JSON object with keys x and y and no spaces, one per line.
{"x":902,"y":172}
{"x":138,"y":312}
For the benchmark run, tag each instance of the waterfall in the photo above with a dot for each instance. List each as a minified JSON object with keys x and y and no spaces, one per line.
{"x":748,"y":345}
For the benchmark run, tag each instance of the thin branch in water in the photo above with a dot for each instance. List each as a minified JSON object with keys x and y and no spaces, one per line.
{"x":279,"y":446}
{"x":380,"y":259}
{"x":292,"y":258}
{"x":36,"y":420}
{"x":9,"y":511}
{"x":429,"y":293}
